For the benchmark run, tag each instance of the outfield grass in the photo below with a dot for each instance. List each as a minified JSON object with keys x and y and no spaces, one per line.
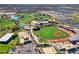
{"x":43,"y":16}
{"x":46,"y":33}
{"x":43,"y":41}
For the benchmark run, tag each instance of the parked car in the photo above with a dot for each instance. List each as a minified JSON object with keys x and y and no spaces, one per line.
{"x":27,"y":42}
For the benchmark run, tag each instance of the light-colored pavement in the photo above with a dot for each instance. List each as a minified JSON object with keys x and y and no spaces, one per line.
{"x":26,"y":49}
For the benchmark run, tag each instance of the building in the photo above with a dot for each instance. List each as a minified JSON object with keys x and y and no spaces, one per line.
{"x":27,"y":27}
{"x":7,"y":13}
{"x":23,"y":36}
{"x":69,"y":46}
{"x":36,"y":23}
{"x":48,"y":50}
{"x":6,"y":37}
{"x":60,"y":46}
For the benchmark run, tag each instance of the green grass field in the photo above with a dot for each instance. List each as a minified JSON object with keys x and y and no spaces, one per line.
{"x":40,"y":16}
{"x":4,"y":48}
{"x":6,"y":26}
{"x":46,"y":33}
{"x":26,"y":17}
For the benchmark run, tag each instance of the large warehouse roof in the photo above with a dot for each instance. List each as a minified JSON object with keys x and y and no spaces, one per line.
{"x":6,"y":37}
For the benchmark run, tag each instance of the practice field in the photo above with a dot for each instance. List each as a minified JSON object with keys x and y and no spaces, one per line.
{"x":4,"y":48}
{"x":5,"y":26}
{"x":47,"y":33}
{"x":25,"y":18}
{"x":39,"y":15}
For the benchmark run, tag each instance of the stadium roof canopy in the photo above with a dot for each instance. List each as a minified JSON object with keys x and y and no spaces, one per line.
{"x":14,"y":18}
{"x":76,"y":37}
{"x":6,"y":37}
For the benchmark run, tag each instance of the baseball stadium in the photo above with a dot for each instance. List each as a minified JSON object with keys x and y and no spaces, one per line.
{"x":50,"y":33}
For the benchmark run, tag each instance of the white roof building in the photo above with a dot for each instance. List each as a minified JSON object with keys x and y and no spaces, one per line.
{"x":49,"y":50}
{"x":6,"y":37}
{"x":7,"y":13}
{"x":23,"y":35}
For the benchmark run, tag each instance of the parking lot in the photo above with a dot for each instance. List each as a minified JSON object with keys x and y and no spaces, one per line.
{"x":26,"y":49}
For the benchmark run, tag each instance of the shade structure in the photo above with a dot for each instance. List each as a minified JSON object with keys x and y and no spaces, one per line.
{"x":14,"y":18}
{"x":21,"y":25}
{"x":75,"y":38}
